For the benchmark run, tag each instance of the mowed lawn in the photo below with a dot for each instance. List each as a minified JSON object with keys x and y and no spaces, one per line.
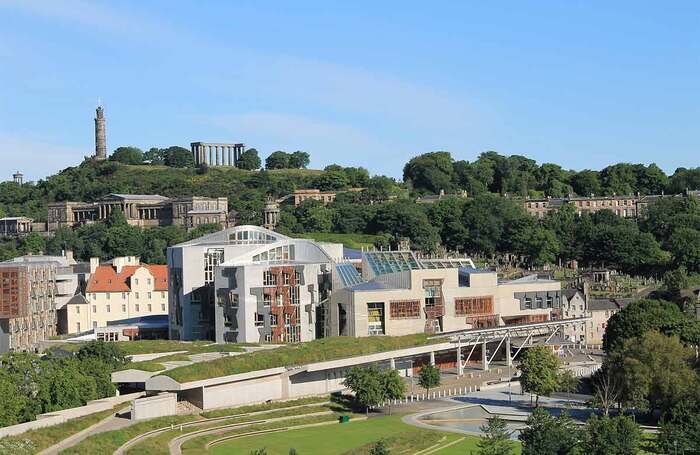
{"x":337,"y":439}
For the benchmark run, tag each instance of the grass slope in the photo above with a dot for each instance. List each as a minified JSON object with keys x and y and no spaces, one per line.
{"x":297,"y":354}
{"x":158,"y":346}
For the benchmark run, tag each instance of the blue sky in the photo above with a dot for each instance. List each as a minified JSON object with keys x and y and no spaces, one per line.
{"x":581,"y":84}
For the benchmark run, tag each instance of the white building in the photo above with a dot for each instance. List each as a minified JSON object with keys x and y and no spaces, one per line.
{"x":248,"y":284}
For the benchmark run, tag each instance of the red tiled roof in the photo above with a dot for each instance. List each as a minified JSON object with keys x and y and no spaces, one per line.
{"x":106,"y":279}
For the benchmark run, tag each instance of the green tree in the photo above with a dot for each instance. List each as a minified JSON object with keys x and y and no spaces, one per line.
{"x":680,"y":429}
{"x":33,"y":243}
{"x":675,"y":281}
{"x":546,"y":434}
{"x":586,"y":182}
{"x":109,"y":353}
{"x":366,"y":384}
{"x":154,"y":156}
{"x":684,"y":245}
{"x":277,"y":160}
{"x":430,"y":172}
{"x":101,"y":372}
{"x":176,"y":156}
{"x":495,"y":439}
{"x":539,"y":372}
{"x":299,"y":160}
{"x":249,"y":160}
{"x":644,"y":315}
{"x":11,"y":411}
{"x":611,"y":436}
{"x":314,"y":216}
{"x":332,"y":180}
{"x":654,"y":371}
{"x":393,"y":385}
{"x":429,"y":377}
{"x":127,"y":155}
{"x":379,"y":448}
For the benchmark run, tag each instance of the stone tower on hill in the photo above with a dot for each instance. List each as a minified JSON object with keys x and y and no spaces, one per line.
{"x":100,"y":134}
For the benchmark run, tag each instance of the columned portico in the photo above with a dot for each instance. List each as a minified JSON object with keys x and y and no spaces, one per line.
{"x":214,"y":154}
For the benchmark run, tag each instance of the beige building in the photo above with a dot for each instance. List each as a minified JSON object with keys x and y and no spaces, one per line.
{"x":143,"y":210}
{"x":573,"y":305}
{"x":121,"y":290}
{"x":434,"y":297}
{"x":624,"y":206}
{"x":600,"y":311}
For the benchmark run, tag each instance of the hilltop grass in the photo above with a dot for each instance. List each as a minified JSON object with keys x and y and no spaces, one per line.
{"x":159,"y":346}
{"x":297,"y":354}
{"x":34,"y":441}
{"x":356,"y":241}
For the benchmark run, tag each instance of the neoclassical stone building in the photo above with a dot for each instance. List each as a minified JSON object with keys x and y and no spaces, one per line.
{"x":143,"y":210}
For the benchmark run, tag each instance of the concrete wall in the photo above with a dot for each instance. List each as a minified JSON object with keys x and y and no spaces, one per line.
{"x":242,"y":392}
{"x":163,"y":404}
{"x":55,"y":418}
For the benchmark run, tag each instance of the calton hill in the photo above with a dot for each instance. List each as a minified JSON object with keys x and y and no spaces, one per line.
{"x":649,"y":372}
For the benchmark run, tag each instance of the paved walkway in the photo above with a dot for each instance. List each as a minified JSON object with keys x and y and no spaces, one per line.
{"x":110,"y":423}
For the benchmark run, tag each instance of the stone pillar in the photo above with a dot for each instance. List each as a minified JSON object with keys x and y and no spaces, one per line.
{"x":230,"y":157}
{"x":211,"y":155}
{"x":484,"y":357}
{"x":392,"y":363}
{"x":218,"y":155}
{"x":432,"y":358}
{"x":509,"y":359}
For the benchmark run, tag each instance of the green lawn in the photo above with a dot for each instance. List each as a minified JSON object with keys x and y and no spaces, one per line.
{"x":158,"y":346}
{"x":356,"y":241}
{"x":36,"y":440}
{"x":296,"y":354}
{"x":350,"y":438}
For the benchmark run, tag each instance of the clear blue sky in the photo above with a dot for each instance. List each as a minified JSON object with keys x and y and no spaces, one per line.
{"x":582,"y":84}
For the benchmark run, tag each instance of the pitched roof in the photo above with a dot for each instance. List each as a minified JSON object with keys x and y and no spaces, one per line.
{"x":608,"y":304}
{"x":106,"y":279}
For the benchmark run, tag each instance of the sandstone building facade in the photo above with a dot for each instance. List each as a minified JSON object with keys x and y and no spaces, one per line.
{"x":143,"y":210}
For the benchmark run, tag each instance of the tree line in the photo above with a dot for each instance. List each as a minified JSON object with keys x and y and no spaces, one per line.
{"x":518,"y":175}
{"x":33,"y":385}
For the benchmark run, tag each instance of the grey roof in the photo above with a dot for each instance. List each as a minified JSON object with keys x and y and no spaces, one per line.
{"x":368,"y":286}
{"x":570,"y":293}
{"x":608,"y":304}
{"x":138,"y":196}
{"x":15,"y":218}
{"x":204,"y":211}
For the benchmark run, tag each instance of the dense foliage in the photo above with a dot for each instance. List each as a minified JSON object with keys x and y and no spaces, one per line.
{"x":33,"y":385}
{"x":666,"y":239}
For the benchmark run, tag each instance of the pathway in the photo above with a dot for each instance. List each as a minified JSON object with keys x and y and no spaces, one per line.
{"x":110,"y":423}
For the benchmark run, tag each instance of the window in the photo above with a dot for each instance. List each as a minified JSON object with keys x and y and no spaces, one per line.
{"x":404,"y":309}
{"x":77,"y":326}
{"x":550,"y":301}
{"x":108,"y":308}
{"x":94,"y":324}
{"x":94,"y":308}
{"x":212,"y":258}
{"x":233,"y":299}
{"x":108,"y":294}
{"x":137,"y":295}
{"x":268,"y":278}
{"x":285,"y":278}
{"x":149,"y":296}
{"x":539,"y":302}
{"x":123,"y":308}
{"x":77,"y":309}
{"x":162,"y":294}
{"x":150,"y":308}
{"x":123,"y":295}
{"x":148,"y":281}
{"x":294,"y":295}
{"x":136,"y":281}
{"x":267,"y":299}
{"x":528,"y":303}
{"x":375,"y":318}
{"x":137,"y":307}
{"x":433,"y":292}
{"x":474,"y":305}
{"x":162,"y":307}
{"x":273,"y":320}
{"x":259,"y":320}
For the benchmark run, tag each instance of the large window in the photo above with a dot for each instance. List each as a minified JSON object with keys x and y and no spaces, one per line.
{"x":212,"y":258}
{"x":474,"y":305}
{"x":404,"y":309}
{"x":269,"y":278}
{"x":375,"y":318}
{"x":433,"y":292}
